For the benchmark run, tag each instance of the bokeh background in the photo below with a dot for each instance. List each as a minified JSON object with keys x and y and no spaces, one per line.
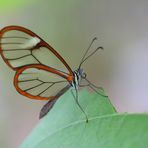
{"x":67,"y":25}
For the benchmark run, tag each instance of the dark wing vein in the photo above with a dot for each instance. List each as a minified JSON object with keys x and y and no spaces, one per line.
{"x":27,"y":73}
{"x":18,"y":57}
{"x":51,"y":82}
{"x":46,"y":89}
{"x":33,"y":87}
{"x":15,"y":37}
{"x":42,"y":82}
{"x":28,"y":80}
{"x":10,"y":43}
{"x":15,"y":49}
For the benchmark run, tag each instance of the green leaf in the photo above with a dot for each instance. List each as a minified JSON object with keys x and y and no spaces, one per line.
{"x":65,"y":125}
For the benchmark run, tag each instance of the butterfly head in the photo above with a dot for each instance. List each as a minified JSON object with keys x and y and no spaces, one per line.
{"x":81,"y":73}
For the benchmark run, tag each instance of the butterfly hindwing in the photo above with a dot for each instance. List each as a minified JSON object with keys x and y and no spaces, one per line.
{"x":38,"y":82}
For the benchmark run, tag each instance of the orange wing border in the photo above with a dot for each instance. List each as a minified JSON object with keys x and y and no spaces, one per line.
{"x":38,"y":66}
{"x":42,"y":43}
{"x":69,"y":77}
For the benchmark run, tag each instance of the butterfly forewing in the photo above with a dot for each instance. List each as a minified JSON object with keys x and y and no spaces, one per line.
{"x":20,"y":47}
{"x":46,"y":57}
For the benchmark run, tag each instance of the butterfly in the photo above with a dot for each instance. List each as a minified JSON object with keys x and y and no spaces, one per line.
{"x":41,"y":73}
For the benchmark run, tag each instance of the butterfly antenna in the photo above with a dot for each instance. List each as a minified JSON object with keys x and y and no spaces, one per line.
{"x":95,"y":38}
{"x":90,"y":55}
{"x":84,"y":57}
{"x":77,"y":101}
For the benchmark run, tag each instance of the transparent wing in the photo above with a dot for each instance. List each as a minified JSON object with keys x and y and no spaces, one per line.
{"x":39,"y":82}
{"x":20,"y":47}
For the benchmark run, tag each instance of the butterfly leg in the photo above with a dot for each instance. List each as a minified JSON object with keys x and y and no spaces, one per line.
{"x":93,"y":87}
{"x":77,"y":102}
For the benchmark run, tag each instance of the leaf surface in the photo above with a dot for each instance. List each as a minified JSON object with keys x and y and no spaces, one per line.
{"x":65,"y":125}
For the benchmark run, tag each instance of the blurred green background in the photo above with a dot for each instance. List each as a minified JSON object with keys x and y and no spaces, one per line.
{"x":68,"y":26}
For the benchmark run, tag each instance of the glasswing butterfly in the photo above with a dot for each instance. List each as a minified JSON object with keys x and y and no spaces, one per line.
{"x":41,"y":72}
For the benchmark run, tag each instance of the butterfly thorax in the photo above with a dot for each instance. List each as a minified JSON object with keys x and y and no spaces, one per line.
{"x":78,"y":75}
